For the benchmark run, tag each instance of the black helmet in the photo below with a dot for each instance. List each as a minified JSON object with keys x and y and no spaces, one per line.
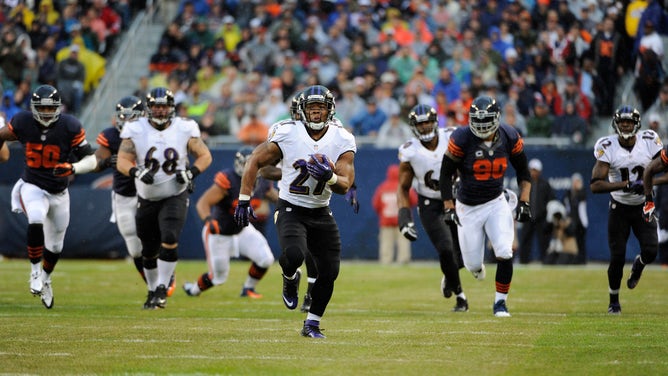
{"x":626,"y":113}
{"x":160,"y":97}
{"x":484,"y":116}
{"x":423,"y":113}
{"x":240,"y":159}
{"x":129,"y":108}
{"x":45,"y":97}
{"x":316,"y":94}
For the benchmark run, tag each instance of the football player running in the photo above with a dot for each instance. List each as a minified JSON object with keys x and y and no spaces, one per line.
{"x":154,"y":151}
{"x":303,"y":218}
{"x":221,"y":236}
{"x":51,"y":140}
{"x":124,"y":193}
{"x":480,"y":154}
{"x":621,"y":159}
{"x":420,"y":162}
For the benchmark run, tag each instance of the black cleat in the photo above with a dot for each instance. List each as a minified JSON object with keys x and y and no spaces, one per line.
{"x":461,"y":306}
{"x":291,"y":290}
{"x":312,"y":329}
{"x":636,"y":272}
{"x":615,"y":309}
{"x":307,"y":303}
{"x":149,"y":301}
{"x":160,"y":297}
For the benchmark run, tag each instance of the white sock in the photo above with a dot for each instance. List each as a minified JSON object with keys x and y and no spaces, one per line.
{"x":500,"y":296}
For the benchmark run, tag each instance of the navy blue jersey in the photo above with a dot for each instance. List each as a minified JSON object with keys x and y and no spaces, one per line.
{"x":111,"y":139}
{"x":223,"y":211}
{"x":481,"y":167}
{"x":47,"y":146}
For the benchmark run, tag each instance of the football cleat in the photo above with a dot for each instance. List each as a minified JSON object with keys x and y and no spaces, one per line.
{"x":447,"y":291}
{"x":312,"y":329}
{"x":480,"y":274}
{"x":291,"y":290}
{"x":149,"y":301}
{"x":47,"y":294}
{"x":636,"y":272}
{"x":461,"y":306}
{"x":306,"y":306}
{"x":188,"y":288}
{"x":615,"y":309}
{"x":160,"y":297}
{"x":249,"y":292}
{"x":36,"y":282}
{"x":500,"y":309}
{"x":172,"y":286}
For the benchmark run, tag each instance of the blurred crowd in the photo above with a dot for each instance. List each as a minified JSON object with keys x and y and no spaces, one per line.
{"x":553,"y":65}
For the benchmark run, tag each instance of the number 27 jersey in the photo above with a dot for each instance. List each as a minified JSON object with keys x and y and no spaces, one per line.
{"x":627,"y":164}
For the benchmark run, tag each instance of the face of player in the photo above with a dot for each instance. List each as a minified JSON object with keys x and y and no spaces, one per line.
{"x":316,"y":112}
{"x":625,"y":126}
{"x":47,"y":112}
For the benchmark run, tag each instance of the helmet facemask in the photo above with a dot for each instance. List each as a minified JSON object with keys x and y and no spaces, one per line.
{"x":45,"y":105}
{"x":624,"y":114}
{"x":316,"y":94}
{"x":484,"y":117}
{"x":423,"y":121}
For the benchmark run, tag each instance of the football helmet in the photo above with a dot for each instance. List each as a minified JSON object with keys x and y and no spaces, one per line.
{"x":45,"y":105}
{"x":316,"y":94}
{"x":626,"y":113}
{"x":423,"y":113}
{"x":484,"y":116}
{"x":240,"y":159}
{"x":294,"y":107}
{"x":129,"y":108}
{"x":160,"y":106}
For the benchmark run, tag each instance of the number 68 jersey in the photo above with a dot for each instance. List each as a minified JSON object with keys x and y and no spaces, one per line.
{"x":296,"y":185}
{"x":627,"y":165}
{"x":163,"y":151}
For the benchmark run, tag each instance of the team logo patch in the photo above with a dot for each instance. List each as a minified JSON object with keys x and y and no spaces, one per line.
{"x":599,"y":153}
{"x":478,"y":154}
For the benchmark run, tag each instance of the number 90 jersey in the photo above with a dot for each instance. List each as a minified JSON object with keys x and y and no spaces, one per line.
{"x":627,"y":165}
{"x":164,"y":152}
{"x":296,"y":185}
{"x":426,"y":164}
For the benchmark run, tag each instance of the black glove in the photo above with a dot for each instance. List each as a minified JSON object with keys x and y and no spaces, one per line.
{"x":187,"y":176}
{"x":649,"y":210}
{"x":143,"y":174}
{"x":243,"y":213}
{"x":637,"y":187}
{"x":450,"y":216}
{"x":523,"y":212}
{"x":351,"y":197}
{"x":406,"y":225}
{"x":321,"y":171}
{"x":63,"y":169}
{"x":212,"y":225}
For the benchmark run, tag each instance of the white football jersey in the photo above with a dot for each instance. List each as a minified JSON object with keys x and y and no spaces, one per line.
{"x":296,"y":185}
{"x":167,"y":148}
{"x":627,"y":164}
{"x":426,"y":163}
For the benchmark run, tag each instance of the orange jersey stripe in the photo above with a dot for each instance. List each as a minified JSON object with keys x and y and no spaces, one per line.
{"x":79,"y":138}
{"x":102,"y":140}
{"x":221,"y":180}
{"x":519,"y":146}
{"x":454,"y":149}
{"x":11,"y":128}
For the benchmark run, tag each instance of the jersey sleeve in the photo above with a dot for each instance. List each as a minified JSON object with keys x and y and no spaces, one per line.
{"x":600,"y":149}
{"x":406,"y":151}
{"x":222,"y":181}
{"x":279,"y":132}
{"x":189,"y":127}
{"x":456,"y":144}
{"x":130,"y":129}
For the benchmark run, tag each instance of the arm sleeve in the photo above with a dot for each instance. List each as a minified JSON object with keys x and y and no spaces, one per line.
{"x":521,"y":165}
{"x":448,"y":168}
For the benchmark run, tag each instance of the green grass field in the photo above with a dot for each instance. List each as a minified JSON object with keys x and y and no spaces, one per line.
{"x":382,"y":320}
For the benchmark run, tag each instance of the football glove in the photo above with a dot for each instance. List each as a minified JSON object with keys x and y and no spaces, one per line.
{"x":408,"y":231}
{"x":636,"y":187}
{"x":243,"y":213}
{"x":64,"y":169}
{"x":649,"y":211}
{"x":143,"y":174}
{"x":450,"y":216}
{"x":212,"y":225}
{"x":351,"y":197}
{"x":321,"y":171}
{"x":523,"y":212}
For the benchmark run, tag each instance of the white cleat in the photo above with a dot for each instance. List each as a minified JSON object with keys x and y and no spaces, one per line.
{"x":36,"y":283}
{"x":480,"y":274}
{"x":47,"y":294}
{"x":189,"y":289}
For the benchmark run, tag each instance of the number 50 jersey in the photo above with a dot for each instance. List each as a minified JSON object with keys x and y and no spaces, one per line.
{"x":627,"y":165}
{"x":163,"y":152}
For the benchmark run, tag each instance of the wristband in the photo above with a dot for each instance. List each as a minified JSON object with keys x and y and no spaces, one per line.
{"x":194,"y":171}
{"x":133,"y":172}
{"x":649,"y":198}
{"x":332,"y":180}
{"x":243,"y":197}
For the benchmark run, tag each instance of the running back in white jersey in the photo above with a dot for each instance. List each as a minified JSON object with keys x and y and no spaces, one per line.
{"x":167,"y":149}
{"x":296,"y":185}
{"x":627,"y":164}
{"x":426,"y":163}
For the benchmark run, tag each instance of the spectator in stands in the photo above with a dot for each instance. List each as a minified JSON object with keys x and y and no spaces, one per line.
{"x":654,"y":122}
{"x":164,"y":60}
{"x":649,"y":72}
{"x":393,"y":132}
{"x":254,"y":132}
{"x":349,"y":105}
{"x":11,"y":58}
{"x":576,"y":208}
{"x":260,"y":53}
{"x":570,"y":125}
{"x":272,"y":108}
{"x":563,"y":247}
{"x":542,"y":121}
{"x":112,"y":20}
{"x":510,"y":116}
{"x":660,"y":106}
{"x":200,"y":33}
{"x":606,"y":48}
{"x":8,"y":106}
{"x":70,"y":77}
{"x":369,"y":121}
{"x":573,"y":94}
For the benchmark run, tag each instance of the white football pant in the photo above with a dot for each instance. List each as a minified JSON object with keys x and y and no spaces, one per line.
{"x":50,"y":209}
{"x":123,"y":210}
